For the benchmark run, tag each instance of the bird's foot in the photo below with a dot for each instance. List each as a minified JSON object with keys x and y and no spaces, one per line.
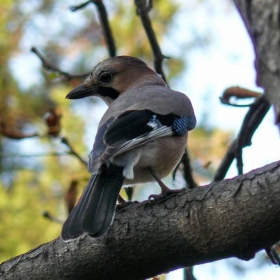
{"x":165,"y":191}
{"x":164,"y":194}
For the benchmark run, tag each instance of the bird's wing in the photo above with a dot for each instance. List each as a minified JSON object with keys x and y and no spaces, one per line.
{"x":99,"y":148}
{"x":137,"y":127}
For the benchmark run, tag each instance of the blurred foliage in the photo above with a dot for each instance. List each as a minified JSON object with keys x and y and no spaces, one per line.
{"x":207,"y":147}
{"x":22,"y":226}
{"x":32,"y":184}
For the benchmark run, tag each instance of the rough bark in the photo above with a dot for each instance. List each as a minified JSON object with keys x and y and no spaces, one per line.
{"x":235,"y":217}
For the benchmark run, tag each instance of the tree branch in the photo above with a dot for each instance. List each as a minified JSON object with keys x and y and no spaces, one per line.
{"x":80,"y":6}
{"x":230,"y":218}
{"x":110,"y":42}
{"x":49,"y":66}
{"x":103,"y":17}
{"x":261,"y":19}
{"x":65,"y":141}
{"x":187,"y":170}
{"x":108,"y":35}
{"x":251,"y":122}
{"x":143,"y":7}
{"x":238,"y":93}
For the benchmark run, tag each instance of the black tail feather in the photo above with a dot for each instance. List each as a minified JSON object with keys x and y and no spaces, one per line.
{"x":72,"y":227}
{"x":100,"y":209}
{"x":95,"y":210}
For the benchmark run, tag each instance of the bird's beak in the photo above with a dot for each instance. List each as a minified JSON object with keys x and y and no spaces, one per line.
{"x":81,"y":91}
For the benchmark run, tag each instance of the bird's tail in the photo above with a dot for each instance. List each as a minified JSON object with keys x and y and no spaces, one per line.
{"x":95,"y":210}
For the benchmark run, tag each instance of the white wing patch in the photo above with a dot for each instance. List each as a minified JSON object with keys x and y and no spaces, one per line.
{"x":140,"y":140}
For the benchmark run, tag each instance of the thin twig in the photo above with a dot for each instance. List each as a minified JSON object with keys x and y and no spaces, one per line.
{"x":187,"y":171}
{"x":103,"y":17}
{"x":250,"y":124}
{"x":226,"y":163}
{"x":226,"y":102}
{"x":239,"y":93}
{"x":78,"y":7}
{"x":65,"y":141}
{"x":56,"y":154}
{"x":10,"y":131}
{"x":188,"y":273}
{"x":46,"y":214}
{"x":49,"y":66}
{"x":273,"y":255}
{"x":107,"y":32}
{"x":143,"y":7}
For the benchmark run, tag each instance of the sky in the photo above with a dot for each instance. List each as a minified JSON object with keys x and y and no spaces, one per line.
{"x":227,"y":61}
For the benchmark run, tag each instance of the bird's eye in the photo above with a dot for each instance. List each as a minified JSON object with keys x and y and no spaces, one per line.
{"x":106,"y":77}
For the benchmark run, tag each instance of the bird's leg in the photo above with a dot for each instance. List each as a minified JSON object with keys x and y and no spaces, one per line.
{"x":165,"y":191}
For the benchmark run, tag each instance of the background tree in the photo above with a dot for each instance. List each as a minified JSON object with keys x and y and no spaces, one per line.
{"x":59,"y":136}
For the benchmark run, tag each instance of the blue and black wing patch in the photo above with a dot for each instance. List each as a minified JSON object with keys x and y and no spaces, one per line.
{"x":183,"y":124}
{"x":134,"y":128}
{"x":133,"y":124}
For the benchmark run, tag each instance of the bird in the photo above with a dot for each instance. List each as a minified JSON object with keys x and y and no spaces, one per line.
{"x":140,"y":138}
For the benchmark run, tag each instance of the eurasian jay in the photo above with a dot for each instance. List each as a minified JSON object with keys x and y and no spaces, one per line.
{"x":140,"y":138}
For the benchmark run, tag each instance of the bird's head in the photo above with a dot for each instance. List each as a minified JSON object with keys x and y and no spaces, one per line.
{"x":114,"y":76}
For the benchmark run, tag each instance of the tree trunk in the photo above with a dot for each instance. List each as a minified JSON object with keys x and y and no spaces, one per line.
{"x":262,"y":20}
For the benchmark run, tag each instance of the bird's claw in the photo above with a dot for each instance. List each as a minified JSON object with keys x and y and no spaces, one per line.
{"x":164,"y":194}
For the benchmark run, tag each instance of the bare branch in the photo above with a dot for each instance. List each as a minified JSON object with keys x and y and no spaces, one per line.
{"x":78,"y":7}
{"x":261,"y":19}
{"x":250,"y":124}
{"x":273,"y":255}
{"x":239,"y":93}
{"x":187,"y":170}
{"x":143,"y":7}
{"x":103,"y":17}
{"x":49,"y":66}
{"x":65,"y":141}
{"x":225,"y":163}
{"x":108,"y":35}
{"x":46,"y":214}
{"x":52,"y":154}
{"x":188,"y":273}
{"x":13,"y":133}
